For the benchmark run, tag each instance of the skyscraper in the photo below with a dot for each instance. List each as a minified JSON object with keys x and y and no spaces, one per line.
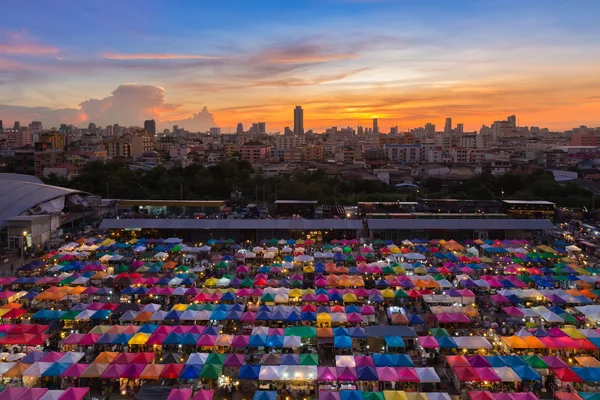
{"x":150,"y":126}
{"x":429,"y":128}
{"x":17,"y":125}
{"x":262,"y":127}
{"x":448,"y":126}
{"x":375,"y":127}
{"x":460,"y":129}
{"x":1,"y":128}
{"x":240,"y":128}
{"x":92,"y":128}
{"x":175,"y":129}
{"x":513,"y":120}
{"x":298,"y":121}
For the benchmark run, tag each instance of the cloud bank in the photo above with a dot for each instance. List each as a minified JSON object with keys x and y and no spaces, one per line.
{"x":128,"y":105}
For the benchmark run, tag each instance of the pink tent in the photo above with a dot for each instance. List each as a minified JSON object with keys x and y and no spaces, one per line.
{"x":180,"y":394}
{"x":33,"y":394}
{"x":248,"y":316}
{"x":234,"y":360}
{"x":327,"y":374}
{"x":74,"y":371}
{"x":387,"y":374}
{"x":74,"y":393}
{"x":364,"y":361}
{"x":240,"y":341}
{"x":207,"y":340}
{"x":481,"y":396}
{"x":367,"y":310}
{"x":114,"y":371}
{"x":12,"y":393}
{"x":329,"y":396}
{"x":73,"y":338}
{"x":428,"y":342}
{"x":487,"y":374}
{"x":204,"y":395}
{"x":513,"y":311}
{"x":354,"y":317}
{"x":52,"y":356}
{"x":346,"y":374}
{"x":89,"y":339}
{"x":407,"y":374}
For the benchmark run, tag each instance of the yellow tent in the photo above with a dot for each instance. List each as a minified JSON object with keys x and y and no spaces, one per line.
{"x":323,"y":318}
{"x":394,"y":395}
{"x":573,"y":332}
{"x":388,"y":293}
{"x":350,"y":298}
{"x":309,"y":269}
{"x":139,"y":338}
{"x":179,"y":307}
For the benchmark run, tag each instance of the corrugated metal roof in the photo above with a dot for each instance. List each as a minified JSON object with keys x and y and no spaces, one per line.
{"x":460,"y":224}
{"x":270,"y":224}
{"x":17,"y":196}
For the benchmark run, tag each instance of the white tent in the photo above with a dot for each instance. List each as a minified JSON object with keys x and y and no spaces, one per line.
{"x":197,"y":358}
{"x":345,"y":361}
{"x":507,"y":374}
{"x":292,"y":341}
{"x":269,"y":373}
{"x":472,"y":342}
{"x":427,"y":375}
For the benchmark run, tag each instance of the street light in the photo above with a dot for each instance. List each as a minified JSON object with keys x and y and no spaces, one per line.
{"x":23,"y":247}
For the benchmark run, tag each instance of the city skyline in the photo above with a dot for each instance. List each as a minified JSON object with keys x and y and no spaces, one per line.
{"x":201,"y":65}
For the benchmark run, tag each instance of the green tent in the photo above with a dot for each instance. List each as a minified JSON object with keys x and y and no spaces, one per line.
{"x":176,"y":249}
{"x":122,"y":268}
{"x":209,"y":307}
{"x":273,"y":241}
{"x":373,"y":396}
{"x":401,"y":294}
{"x":70,"y":315}
{"x":182,"y":268}
{"x":438,"y":332}
{"x":268,"y":297}
{"x":67,"y":281}
{"x":196,"y":307}
{"x":211,"y":371}
{"x":302,"y":331}
{"x":215,"y":358}
{"x":378,"y":242}
{"x":535,"y":362}
{"x":295,"y":283}
{"x":369,"y":256}
{"x":347,"y":249}
{"x":387,"y":270}
{"x":569,"y":319}
{"x":589,"y":395}
{"x":247,"y":282}
{"x":350,"y":259}
{"x":309,"y":359}
{"x":230,"y":241}
{"x":222,"y":264}
{"x":327,"y":247}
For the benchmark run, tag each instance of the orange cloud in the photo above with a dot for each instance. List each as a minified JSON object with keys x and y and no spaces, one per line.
{"x":309,"y":58}
{"x":158,"y":56}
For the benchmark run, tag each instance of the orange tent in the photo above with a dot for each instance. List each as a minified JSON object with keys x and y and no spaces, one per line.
{"x":94,"y":370}
{"x":106,"y":357}
{"x":152,"y":371}
{"x":324,"y":332}
{"x":169,"y":265}
{"x":16,"y":371}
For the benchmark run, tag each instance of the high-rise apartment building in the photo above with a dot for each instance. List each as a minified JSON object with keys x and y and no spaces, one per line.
{"x":513,"y":120}
{"x":17,"y":125}
{"x":448,"y":126}
{"x":240,"y":128}
{"x":150,"y":126}
{"x":35,"y":127}
{"x":298,"y":121}
{"x":429,"y":129}
{"x":375,"y":126}
{"x":460,"y":129}
{"x":92,"y":128}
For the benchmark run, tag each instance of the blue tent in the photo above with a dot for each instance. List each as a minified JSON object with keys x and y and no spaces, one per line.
{"x":122,"y":338}
{"x":394,"y":341}
{"x":56,"y":369}
{"x":273,"y":341}
{"x":341,"y":332}
{"x":249,"y":371}
{"x":446,"y":342}
{"x":190,"y":371}
{"x":526,"y":373}
{"x":342,"y":342}
{"x":190,"y":339}
{"x":173,"y":338}
{"x":294,"y":317}
{"x":357,"y":332}
{"x":366,"y":373}
{"x":257,"y":341}
{"x":290,"y":359}
{"x":147,"y":328}
{"x":351,"y":395}
{"x":587,"y":374}
{"x":264,"y":395}
{"x":496,"y":361}
{"x":514,"y":361}
{"x":415,"y":319}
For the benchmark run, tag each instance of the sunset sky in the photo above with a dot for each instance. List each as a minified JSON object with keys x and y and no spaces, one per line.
{"x":205,"y":63}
